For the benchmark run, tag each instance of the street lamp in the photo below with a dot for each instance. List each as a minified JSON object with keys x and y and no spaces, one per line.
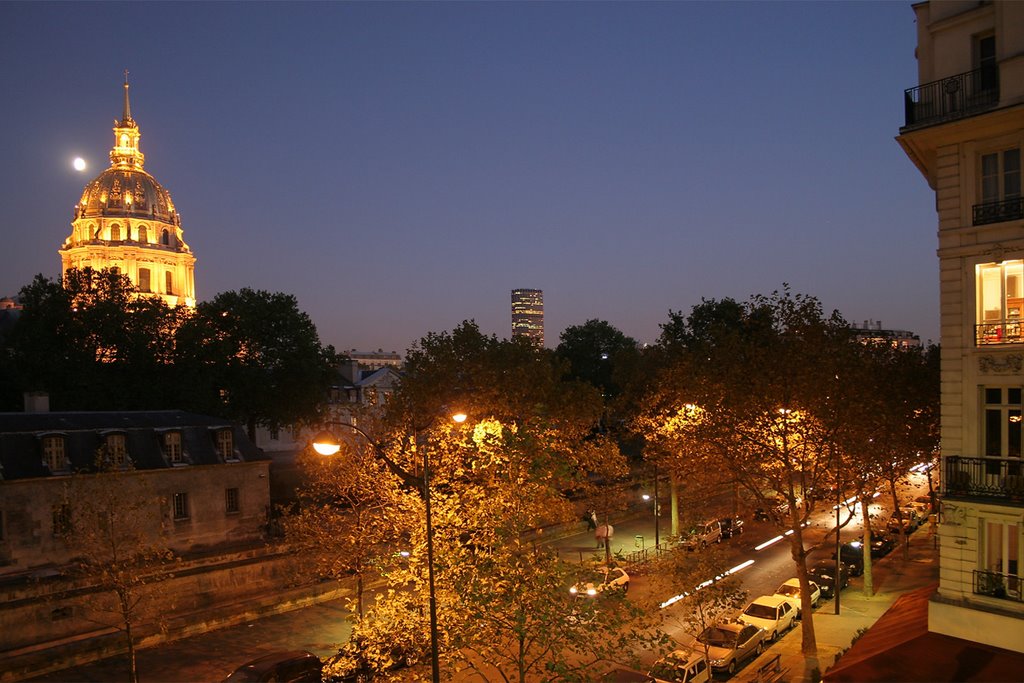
{"x":325,"y":443}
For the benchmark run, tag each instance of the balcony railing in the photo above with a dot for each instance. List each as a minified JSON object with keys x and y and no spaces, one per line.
{"x":951,"y":98}
{"x":999,"y":332}
{"x":990,"y":478}
{"x":999,"y":212}
{"x":997,"y":585}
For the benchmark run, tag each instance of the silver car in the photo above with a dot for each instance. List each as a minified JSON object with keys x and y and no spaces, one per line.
{"x":730,"y":644}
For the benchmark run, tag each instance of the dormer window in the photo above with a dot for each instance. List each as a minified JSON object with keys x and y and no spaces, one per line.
{"x":53,"y":453}
{"x":165,"y":238}
{"x":117,"y":450}
{"x":225,"y":444}
{"x":172,"y":446}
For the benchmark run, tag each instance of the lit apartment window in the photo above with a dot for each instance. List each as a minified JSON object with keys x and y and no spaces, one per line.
{"x":172,"y":446}
{"x":231,"y":501}
{"x":180,"y":506}
{"x":1000,"y":292}
{"x":61,"y":519}
{"x":53,"y":453}
{"x":225,"y":445}
{"x":117,"y":449}
{"x":1002,"y":429}
{"x":144,"y":280}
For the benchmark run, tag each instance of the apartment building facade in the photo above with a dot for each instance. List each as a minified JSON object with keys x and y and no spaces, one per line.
{"x":964,"y":130}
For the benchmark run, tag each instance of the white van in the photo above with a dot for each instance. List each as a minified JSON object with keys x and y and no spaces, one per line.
{"x":704,"y":534}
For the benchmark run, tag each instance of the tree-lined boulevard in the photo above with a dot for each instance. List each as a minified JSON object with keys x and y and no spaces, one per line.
{"x":768,"y":404}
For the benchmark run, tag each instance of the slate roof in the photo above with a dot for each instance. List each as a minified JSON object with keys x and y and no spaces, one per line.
{"x":84,"y":432}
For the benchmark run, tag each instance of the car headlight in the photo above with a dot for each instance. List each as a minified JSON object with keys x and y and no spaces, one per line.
{"x":717,"y":662}
{"x":591,"y":592}
{"x":574,"y":590}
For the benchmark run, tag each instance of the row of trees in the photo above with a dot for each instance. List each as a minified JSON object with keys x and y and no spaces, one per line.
{"x":91,"y":343}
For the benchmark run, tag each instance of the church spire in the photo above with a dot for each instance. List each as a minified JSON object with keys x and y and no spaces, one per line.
{"x":125,"y":153}
{"x":126,"y":117}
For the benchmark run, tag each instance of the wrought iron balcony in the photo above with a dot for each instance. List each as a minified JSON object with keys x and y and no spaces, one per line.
{"x":998,"y":332}
{"x":999,"y":212}
{"x":997,"y":585}
{"x":996,"y":479}
{"x":951,"y":98}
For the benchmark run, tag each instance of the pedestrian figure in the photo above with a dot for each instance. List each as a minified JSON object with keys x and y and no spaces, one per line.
{"x":591,"y":519}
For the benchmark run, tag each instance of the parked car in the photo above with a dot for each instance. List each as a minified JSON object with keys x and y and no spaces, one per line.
{"x":681,"y":666}
{"x":881,"y":544}
{"x":729,"y":644}
{"x":790,"y":590}
{"x":922,"y":509}
{"x":295,"y":666}
{"x":927,"y":500}
{"x":703,"y":535}
{"x":622,"y":675}
{"x":914,"y":511}
{"x":898,"y":520}
{"x":731,"y":526}
{"x":773,"y":613}
{"x":778,"y":509}
{"x":607,"y":577}
{"x":852,"y":555}
{"x":359,"y":661}
{"x":824,"y":574}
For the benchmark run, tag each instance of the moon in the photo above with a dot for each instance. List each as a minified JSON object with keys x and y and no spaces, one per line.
{"x":79,"y":164}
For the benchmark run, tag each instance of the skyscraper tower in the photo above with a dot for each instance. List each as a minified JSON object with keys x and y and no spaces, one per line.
{"x":528,"y":314}
{"x":126,"y":221}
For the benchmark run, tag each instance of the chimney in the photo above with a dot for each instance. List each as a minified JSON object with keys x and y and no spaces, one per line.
{"x":349,"y":369}
{"x":37,"y":402}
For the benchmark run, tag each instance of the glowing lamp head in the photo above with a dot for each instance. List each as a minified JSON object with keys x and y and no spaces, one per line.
{"x":78,"y":164}
{"x":459,"y":417}
{"x":325,"y":443}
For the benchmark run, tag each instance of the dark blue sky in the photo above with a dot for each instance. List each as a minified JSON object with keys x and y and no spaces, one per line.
{"x":401,"y":167}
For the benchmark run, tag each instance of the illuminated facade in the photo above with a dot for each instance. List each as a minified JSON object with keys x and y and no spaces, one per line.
{"x":964,"y":131}
{"x":528,"y":314}
{"x":126,"y":221}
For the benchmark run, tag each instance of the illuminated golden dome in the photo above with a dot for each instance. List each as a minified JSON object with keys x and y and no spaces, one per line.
{"x":125,"y":189}
{"x":129,"y":193}
{"x":126,"y":221}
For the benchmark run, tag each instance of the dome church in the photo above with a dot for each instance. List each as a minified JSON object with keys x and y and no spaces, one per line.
{"x":126,"y":221}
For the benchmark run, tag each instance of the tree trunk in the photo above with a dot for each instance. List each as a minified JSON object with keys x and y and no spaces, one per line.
{"x":869,"y":588}
{"x":126,"y":618}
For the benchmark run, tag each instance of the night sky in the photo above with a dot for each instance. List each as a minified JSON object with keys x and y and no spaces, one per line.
{"x":400,"y":168}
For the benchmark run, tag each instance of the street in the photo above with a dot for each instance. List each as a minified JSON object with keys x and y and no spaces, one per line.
{"x":321,"y":628}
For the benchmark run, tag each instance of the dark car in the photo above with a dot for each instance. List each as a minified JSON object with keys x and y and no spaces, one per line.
{"x":881,"y":544}
{"x":852,"y":555}
{"x":824,"y":574}
{"x":731,"y":526}
{"x":296,"y":666}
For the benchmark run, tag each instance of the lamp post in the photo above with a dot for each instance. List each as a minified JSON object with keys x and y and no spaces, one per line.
{"x":325,"y":443}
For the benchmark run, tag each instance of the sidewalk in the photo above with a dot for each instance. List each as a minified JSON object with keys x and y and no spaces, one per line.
{"x":892,"y":577}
